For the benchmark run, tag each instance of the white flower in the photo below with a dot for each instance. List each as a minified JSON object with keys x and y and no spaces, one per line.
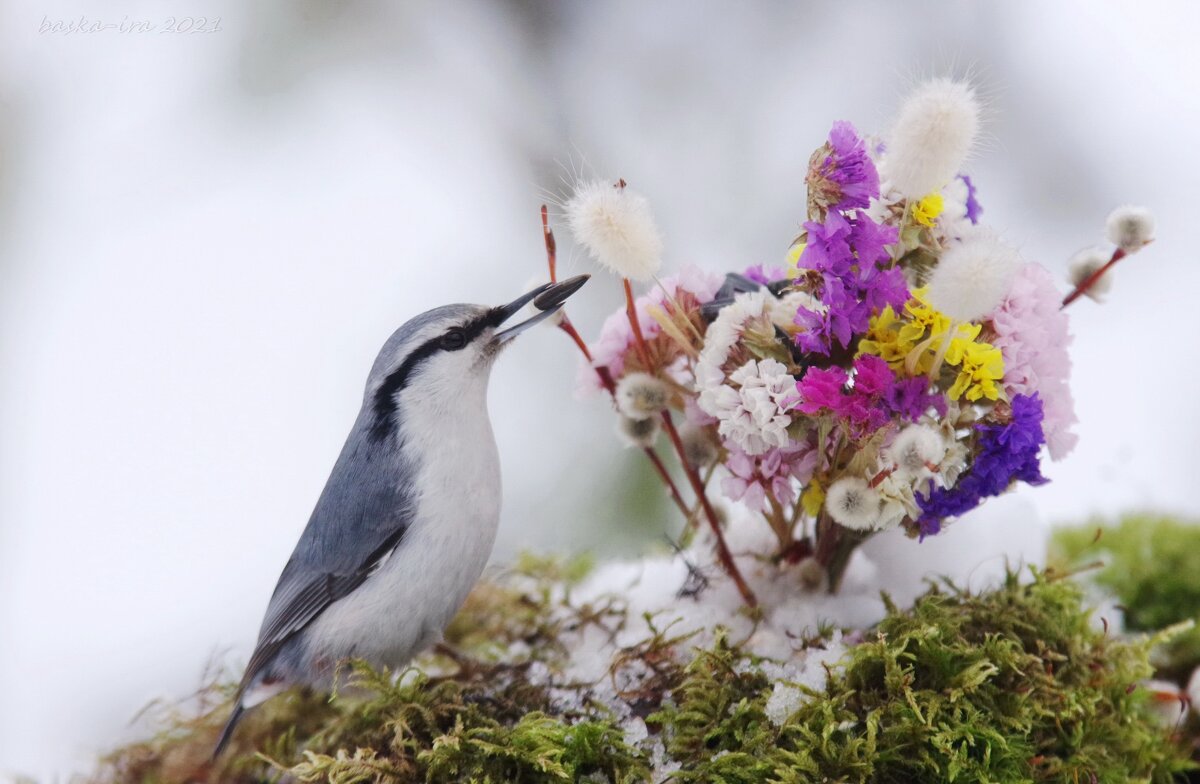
{"x":853,"y":503}
{"x":638,"y":432}
{"x":932,"y":137}
{"x":1083,"y":264}
{"x":722,"y":335}
{"x":641,"y":395}
{"x":754,"y":414}
{"x":897,"y":500}
{"x":1130,"y":227}
{"x":615,"y":224}
{"x":953,"y":223}
{"x":972,"y":276}
{"x":914,"y":449}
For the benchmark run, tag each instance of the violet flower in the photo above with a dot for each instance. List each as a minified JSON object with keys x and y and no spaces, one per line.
{"x":1005,"y":454}
{"x":841,"y":175}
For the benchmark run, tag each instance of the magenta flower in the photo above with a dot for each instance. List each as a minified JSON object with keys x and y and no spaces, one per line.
{"x":868,"y":402}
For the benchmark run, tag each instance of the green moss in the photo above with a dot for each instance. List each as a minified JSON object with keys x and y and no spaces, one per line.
{"x":1013,"y":685}
{"x":1151,"y":564}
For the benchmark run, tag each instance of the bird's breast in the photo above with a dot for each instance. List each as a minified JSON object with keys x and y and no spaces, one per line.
{"x":404,"y":606}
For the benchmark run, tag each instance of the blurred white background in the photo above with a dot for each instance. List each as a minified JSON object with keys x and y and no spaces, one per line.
{"x":204,"y":239}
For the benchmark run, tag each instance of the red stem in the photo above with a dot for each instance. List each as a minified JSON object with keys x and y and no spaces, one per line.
{"x":723,"y":553}
{"x":551,"y":245}
{"x":602,"y":373}
{"x":1090,"y":280}
{"x":639,"y":340}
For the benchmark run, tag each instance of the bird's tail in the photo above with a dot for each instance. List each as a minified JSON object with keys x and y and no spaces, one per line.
{"x":227,"y":733}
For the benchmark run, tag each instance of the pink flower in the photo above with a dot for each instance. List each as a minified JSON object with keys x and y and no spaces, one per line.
{"x":778,"y":471}
{"x":616,"y":336}
{"x":1031,"y":333}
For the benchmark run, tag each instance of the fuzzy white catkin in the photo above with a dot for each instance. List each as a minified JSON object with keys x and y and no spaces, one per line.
{"x":616,"y":226}
{"x":1081,"y":267}
{"x":641,"y":395}
{"x":853,"y":503}
{"x":932,"y":137}
{"x":1130,"y":227}
{"x":973,"y":276}
{"x":915,"y":448}
{"x":641,"y":433}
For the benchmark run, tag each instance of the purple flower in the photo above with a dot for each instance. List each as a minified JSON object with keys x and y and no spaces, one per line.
{"x":1005,"y":454}
{"x":841,"y":175}
{"x":909,"y":398}
{"x":851,"y":255}
{"x":763,"y":275}
{"x":973,"y":208}
{"x":870,"y":240}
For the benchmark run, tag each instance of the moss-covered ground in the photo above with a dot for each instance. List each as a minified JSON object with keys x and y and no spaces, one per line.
{"x":1012,"y":685}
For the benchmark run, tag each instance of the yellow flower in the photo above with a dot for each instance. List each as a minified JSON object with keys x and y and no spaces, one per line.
{"x":813,"y":499}
{"x":883,"y":339}
{"x":980,"y":366}
{"x":926,"y":211}
{"x":793,"y":259}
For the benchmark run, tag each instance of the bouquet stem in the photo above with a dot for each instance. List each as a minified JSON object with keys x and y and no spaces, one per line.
{"x":835,"y":545}
{"x":723,"y":553}
{"x":602,"y":373}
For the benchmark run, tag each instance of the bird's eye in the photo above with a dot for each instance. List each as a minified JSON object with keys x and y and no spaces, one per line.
{"x":454,"y":340}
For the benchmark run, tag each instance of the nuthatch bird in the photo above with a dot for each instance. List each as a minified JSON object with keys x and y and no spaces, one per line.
{"x":408,"y":516}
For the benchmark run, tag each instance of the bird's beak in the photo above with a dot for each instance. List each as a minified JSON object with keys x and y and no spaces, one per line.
{"x":548,"y":299}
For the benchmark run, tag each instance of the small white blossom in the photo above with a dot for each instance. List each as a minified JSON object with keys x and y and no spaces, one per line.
{"x":953,"y":223}
{"x":914,"y":449}
{"x":1130,"y":227}
{"x":896,"y":502}
{"x":616,"y":226}
{"x":1083,"y":264}
{"x":973,"y":276}
{"x":752,"y":408}
{"x":853,"y":503}
{"x":642,"y":433}
{"x":723,"y":334}
{"x":932,"y":137}
{"x":641,"y":395}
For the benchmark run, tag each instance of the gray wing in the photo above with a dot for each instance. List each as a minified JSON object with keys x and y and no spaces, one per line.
{"x":362,"y":515}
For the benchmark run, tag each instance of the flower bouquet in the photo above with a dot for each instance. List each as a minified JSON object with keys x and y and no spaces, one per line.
{"x":900,"y":367}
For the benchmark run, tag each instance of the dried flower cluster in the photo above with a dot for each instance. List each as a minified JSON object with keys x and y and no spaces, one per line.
{"x":905,"y":365}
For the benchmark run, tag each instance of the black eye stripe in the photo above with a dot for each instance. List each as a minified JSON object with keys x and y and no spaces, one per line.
{"x":384,"y":403}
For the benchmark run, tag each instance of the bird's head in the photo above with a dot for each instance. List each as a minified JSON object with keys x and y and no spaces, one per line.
{"x":445,"y":355}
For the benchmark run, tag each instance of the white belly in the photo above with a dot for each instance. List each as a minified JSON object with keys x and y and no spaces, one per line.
{"x":404,"y":606}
